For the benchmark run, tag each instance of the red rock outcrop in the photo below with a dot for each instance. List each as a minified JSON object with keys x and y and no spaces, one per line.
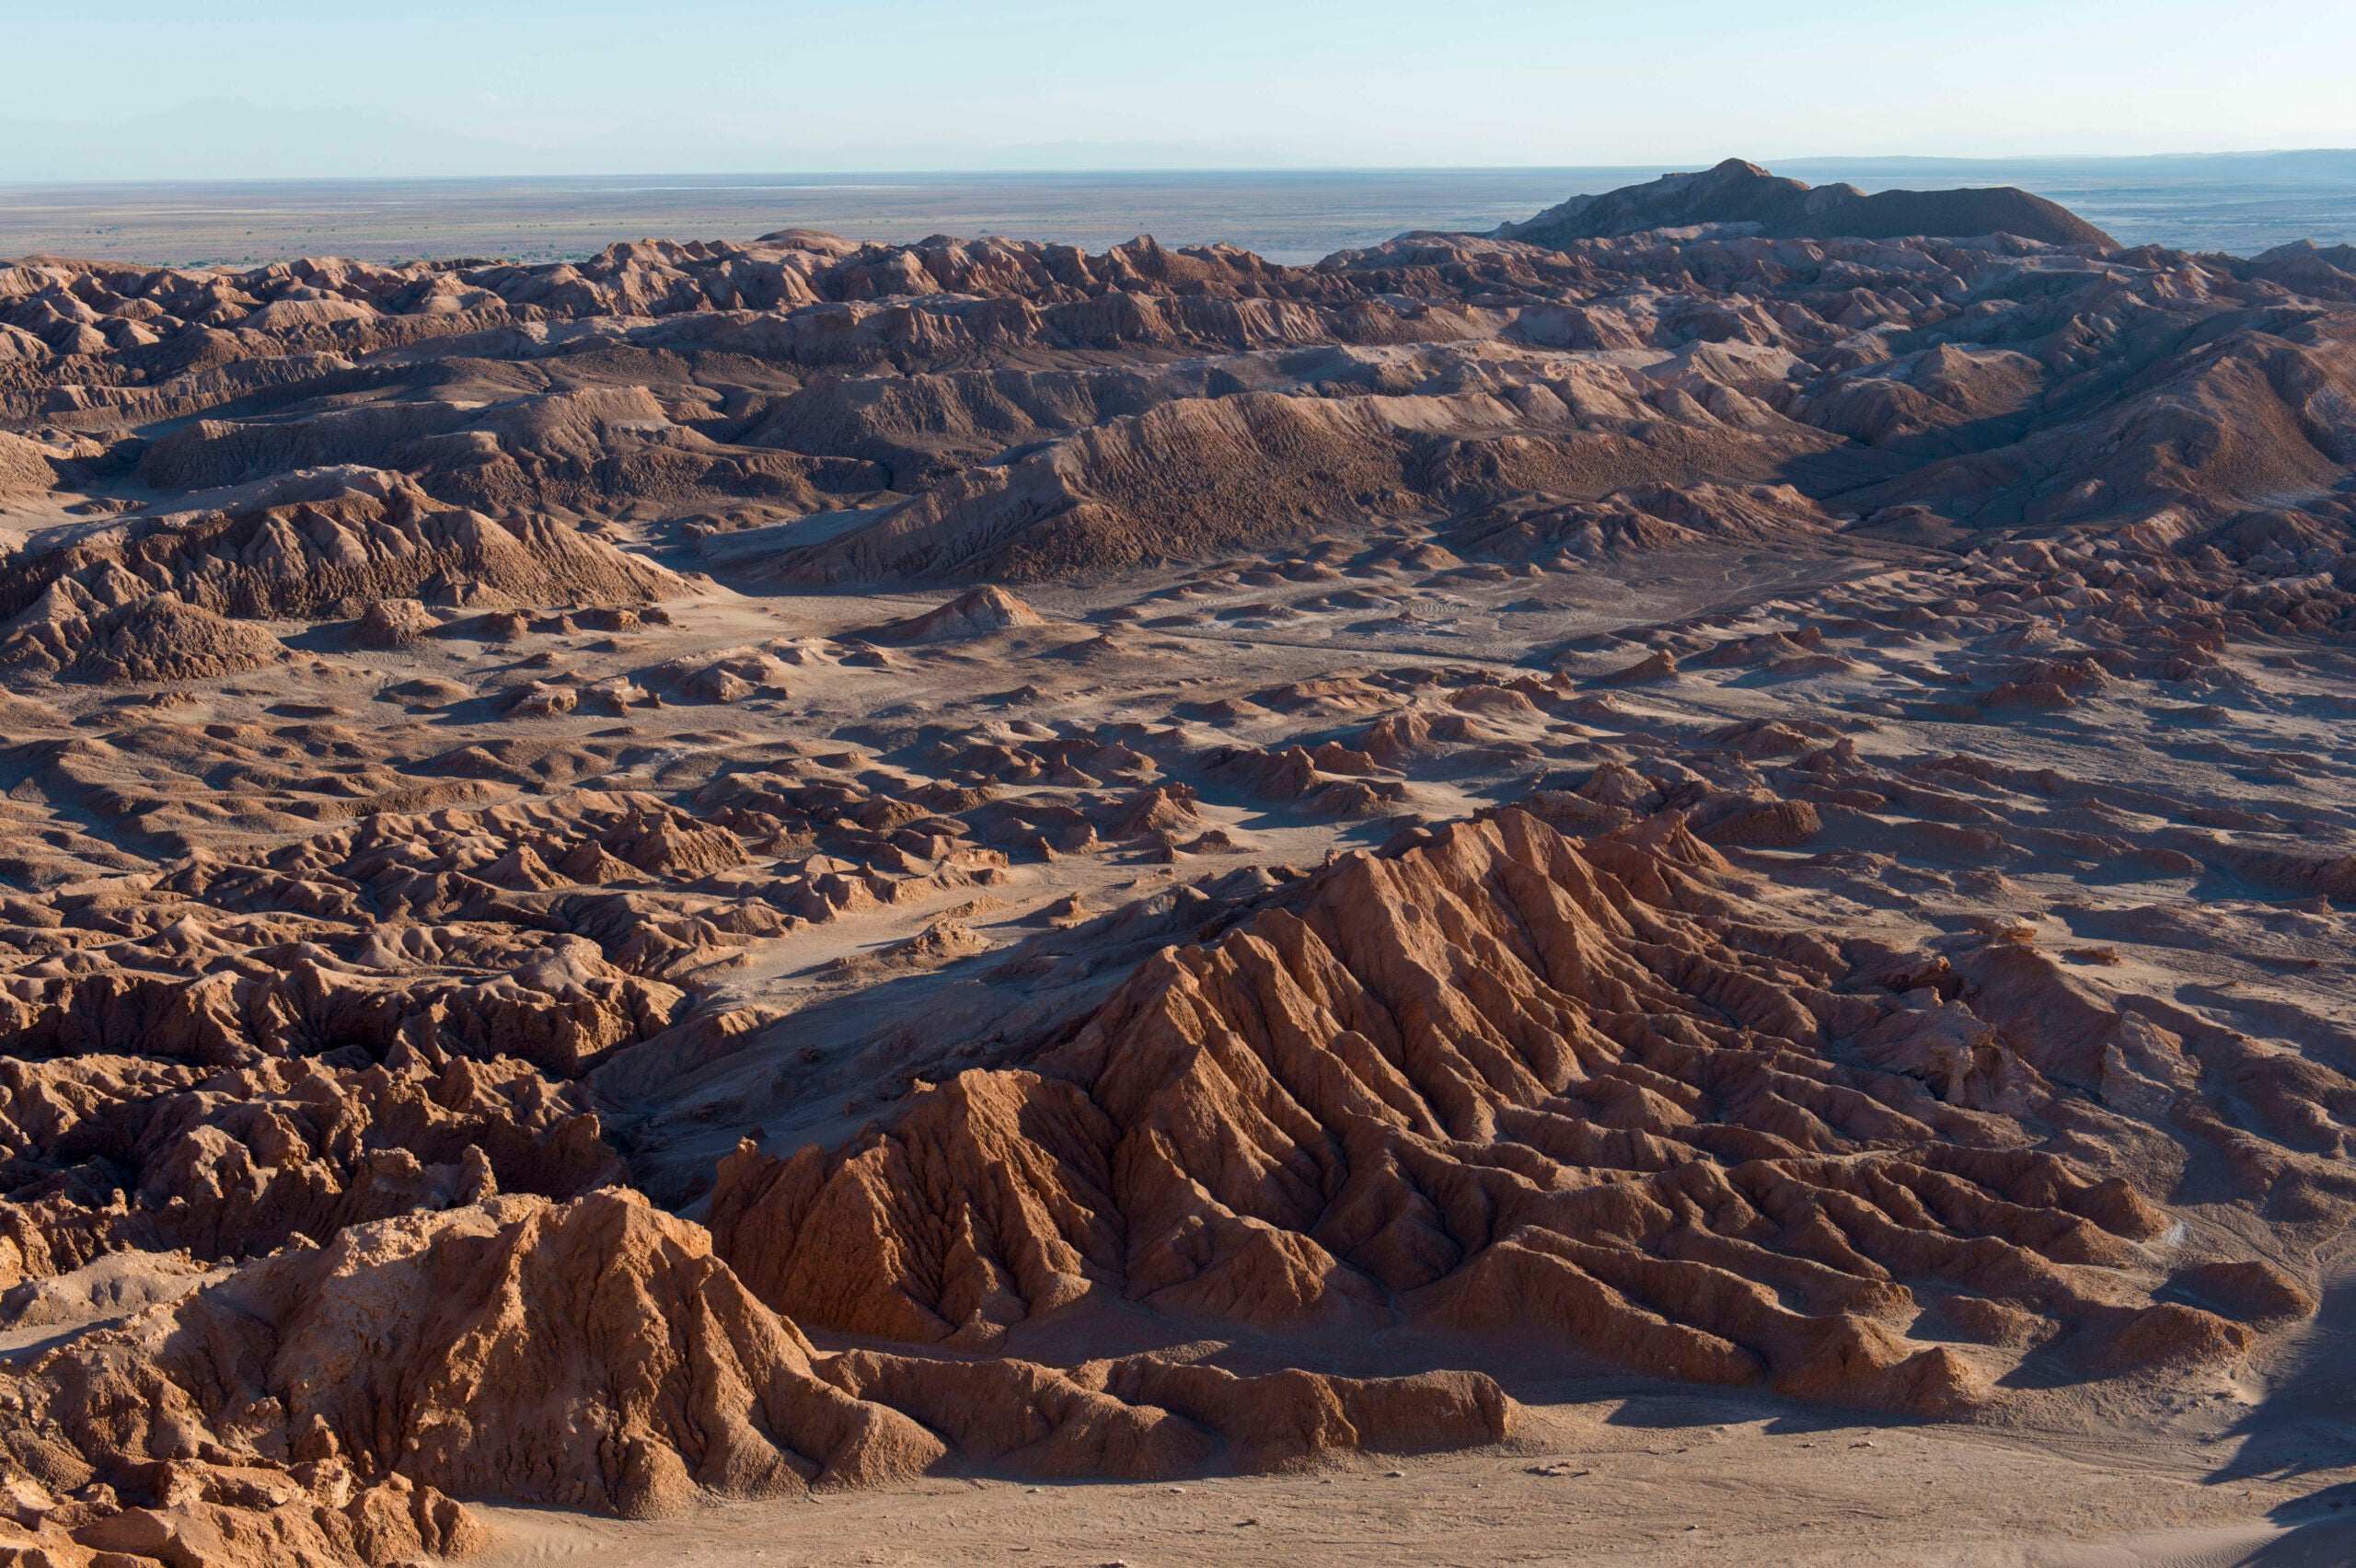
{"x":152,"y":638}
{"x":592,"y":1354}
{"x":1144,"y":1418}
{"x":172,"y":598}
{"x":419,"y":1350}
{"x":978,"y":614}
{"x":237,"y":1163}
{"x":1507,"y":1082}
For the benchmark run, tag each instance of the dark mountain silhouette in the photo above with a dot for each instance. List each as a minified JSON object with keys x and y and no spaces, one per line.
{"x":1739,"y":193}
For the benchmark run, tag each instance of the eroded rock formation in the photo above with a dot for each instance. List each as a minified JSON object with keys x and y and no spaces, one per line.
{"x":1506,"y":1081}
{"x":589,"y":1354}
{"x":1672,"y":792}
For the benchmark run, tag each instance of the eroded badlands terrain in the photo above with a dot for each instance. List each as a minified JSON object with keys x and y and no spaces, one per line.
{"x":740,"y":871}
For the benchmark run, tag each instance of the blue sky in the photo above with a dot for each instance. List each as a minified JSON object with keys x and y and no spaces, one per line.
{"x":226,"y":88}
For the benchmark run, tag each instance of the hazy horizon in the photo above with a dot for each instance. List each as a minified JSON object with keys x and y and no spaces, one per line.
{"x":251,"y":126}
{"x":257,"y":90}
{"x":2241,"y":204}
{"x":1829,"y":165}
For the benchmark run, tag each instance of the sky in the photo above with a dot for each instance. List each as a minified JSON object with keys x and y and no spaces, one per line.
{"x":136,"y":89}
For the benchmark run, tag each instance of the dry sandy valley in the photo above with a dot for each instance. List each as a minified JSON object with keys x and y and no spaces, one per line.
{"x":1668,"y":886}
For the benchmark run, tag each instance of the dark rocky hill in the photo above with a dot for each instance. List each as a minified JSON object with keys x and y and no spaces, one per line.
{"x":1739,"y":193}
